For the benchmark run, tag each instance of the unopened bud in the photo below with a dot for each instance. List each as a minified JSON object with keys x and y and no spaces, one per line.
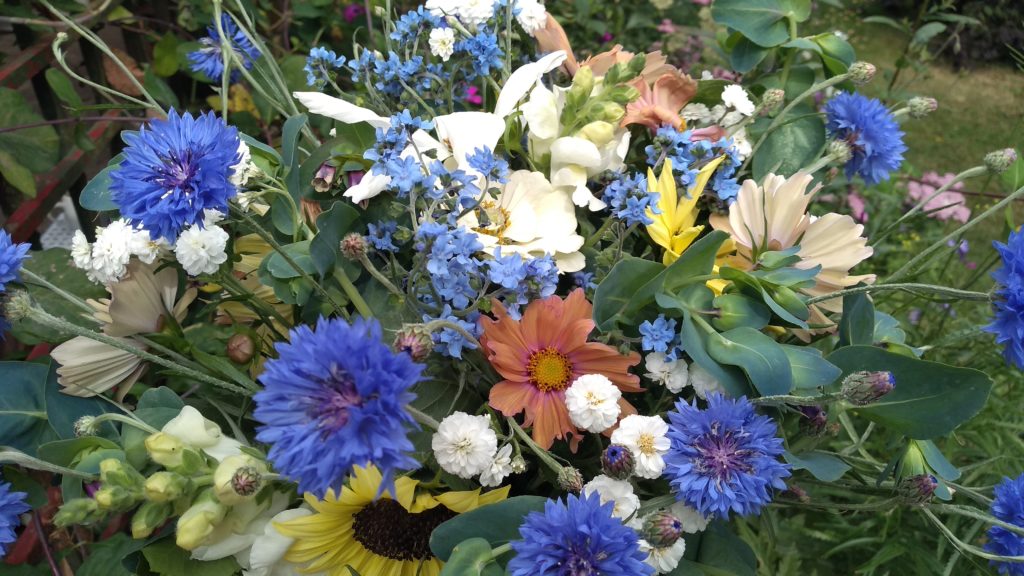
{"x":863,"y":388}
{"x":18,"y":305}
{"x":798,"y":493}
{"x":114,"y":472}
{"x":165,"y":449}
{"x":598,"y":132}
{"x":199,"y":521}
{"x":921,"y":106}
{"x":1000,"y":161}
{"x":570,"y":480}
{"x":238,"y":478}
{"x":862,"y":72}
{"x":582,"y":86}
{"x":415,"y":341}
{"x":772,"y":99}
{"x":77,"y":511}
{"x":165,"y":486}
{"x":840,"y":151}
{"x":85,"y":426}
{"x":241,"y":348}
{"x":518,"y":465}
{"x":115,"y":498}
{"x":324,"y":177}
{"x":662,"y":529}
{"x":149,"y":517}
{"x":353,"y":246}
{"x":918,"y":489}
{"x":617,"y":462}
{"x":609,"y":112}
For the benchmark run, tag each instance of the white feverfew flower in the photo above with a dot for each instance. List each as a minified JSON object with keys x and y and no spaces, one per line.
{"x":692,"y":520}
{"x":245,"y":168}
{"x":704,"y":382}
{"x":532,"y":15}
{"x":499,"y":469}
{"x":473,"y":13}
{"x":442,"y":43}
{"x":663,"y":560}
{"x":81,"y":251}
{"x":111,"y":252}
{"x":647,"y":438}
{"x":442,"y":8}
{"x":464,"y":445}
{"x":735,"y":97}
{"x":145,"y":248}
{"x":620,"y":493}
{"x":201,"y":250}
{"x":593,"y":402}
{"x":741,"y":144}
{"x":699,"y":113}
{"x":674,"y":374}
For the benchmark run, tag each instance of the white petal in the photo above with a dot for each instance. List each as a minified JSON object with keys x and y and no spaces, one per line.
{"x":573,"y":150}
{"x":340,"y":110}
{"x":541,"y":114}
{"x":192,"y":428}
{"x":464,"y":132}
{"x":524,"y":79}
{"x":371,"y":185}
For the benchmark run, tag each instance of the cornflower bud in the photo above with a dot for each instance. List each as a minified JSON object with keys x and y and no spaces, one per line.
{"x":662,"y":529}
{"x":415,"y":341}
{"x":570,"y":480}
{"x":921,"y":106}
{"x":862,"y":72}
{"x":999,"y":161}
{"x":863,"y":388}
{"x":617,"y":462}
{"x":918,"y":489}
{"x":353,"y":246}
{"x":772,"y":99}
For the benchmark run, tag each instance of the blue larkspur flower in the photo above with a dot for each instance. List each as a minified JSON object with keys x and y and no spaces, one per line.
{"x":335,"y":398}
{"x":577,"y":538}
{"x":1008,"y":506}
{"x":12,"y":255}
{"x":208,"y":59}
{"x":319,"y":66}
{"x":1008,"y":323}
{"x":12,"y":505}
{"x":723,"y":458}
{"x":874,"y":136}
{"x":175,"y":170}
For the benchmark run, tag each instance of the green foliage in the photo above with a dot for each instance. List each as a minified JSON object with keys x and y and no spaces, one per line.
{"x":25,"y":151}
{"x":165,"y":558}
{"x":55,"y":266}
{"x":496,"y":524}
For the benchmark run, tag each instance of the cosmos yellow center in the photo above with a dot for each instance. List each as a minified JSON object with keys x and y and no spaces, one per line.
{"x":646,"y":443}
{"x":549,"y":370}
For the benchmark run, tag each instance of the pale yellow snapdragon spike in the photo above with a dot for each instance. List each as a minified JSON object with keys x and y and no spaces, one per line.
{"x":674,"y":229}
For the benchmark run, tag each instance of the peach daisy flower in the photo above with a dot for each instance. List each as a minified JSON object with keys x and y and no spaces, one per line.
{"x":541,"y":355}
{"x":661,"y":102}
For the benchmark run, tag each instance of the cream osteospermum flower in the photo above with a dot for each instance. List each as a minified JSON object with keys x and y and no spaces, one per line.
{"x":465,"y":445}
{"x":647,"y":438}
{"x":620,"y":493}
{"x":532,"y":218}
{"x":442,"y":43}
{"x":773,"y":216}
{"x":593,"y":402}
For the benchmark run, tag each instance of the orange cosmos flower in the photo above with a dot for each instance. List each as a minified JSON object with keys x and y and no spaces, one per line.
{"x":541,"y":355}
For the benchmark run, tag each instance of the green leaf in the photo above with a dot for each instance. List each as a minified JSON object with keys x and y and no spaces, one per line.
{"x":695,"y":338}
{"x":925,"y":33}
{"x":857,"y":326}
{"x":290,"y":139}
{"x":719,"y":553}
{"x":66,"y":452}
{"x":760,"y":357}
{"x":17,"y":175}
{"x":836,"y":54}
{"x":165,"y":558}
{"x":614,"y":294}
{"x":885,"y":21}
{"x":709,"y":92}
{"x":929,"y":399}
{"x":810,"y":370}
{"x":299,"y":252}
{"x":888,"y":329}
{"x":746,"y":55}
{"x":32,"y":409}
{"x":156,"y":407}
{"x":165,"y":56}
{"x":1014,"y":177}
{"x":821,"y":465}
{"x":937,"y":461}
{"x":55,"y":266}
{"x":37,"y":148}
{"x":762,"y":21}
{"x":107,"y":557}
{"x":472,"y":557}
{"x":20,"y":481}
{"x":331,"y":226}
{"x":159,"y":88}
{"x":257,"y":147}
{"x":496,"y":523}
{"x":61,"y":85}
{"x":792,"y":146}
{"x":96,"y":194}
{"x":736,"y":310}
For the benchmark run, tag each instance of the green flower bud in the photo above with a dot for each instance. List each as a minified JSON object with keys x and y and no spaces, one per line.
{"x":788,"y":299}
{"x":862,"y":72}
{"x":840,"y":150}
{"x":18,"y":305}
{"x":165,"y":487}
{"x":199,"y":521}
{"x":165,"y":449}
{"x":114,"y":472}
{"x":115,"y":498}
{"x":77,"y":511}
{"x":921,"y":106}
{"x":238,"y":478}
{"x":598,"y":132}
{"x":1000,"y":161}
{"x":919,"y":489}
{"x":149,"y":517}
{"x":570,"y":480}
{"x":662,"y":529}
{"x":863,"y":388}
{"x":609,"y":112}
{"x":582,"y":86}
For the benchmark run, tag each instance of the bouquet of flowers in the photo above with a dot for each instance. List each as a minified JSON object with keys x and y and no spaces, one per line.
{"x":482,"y":307}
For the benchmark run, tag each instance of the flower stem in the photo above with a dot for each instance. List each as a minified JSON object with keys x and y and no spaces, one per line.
{"x":134,"y":422}
{"x":540,"y":452}
{"x":423,"y":418}
{"x":57,"y":290}
{"x":931,"y":288}
{"x":440,"y":324}
{"x":379,"y":276}
{"x":596,"y":236}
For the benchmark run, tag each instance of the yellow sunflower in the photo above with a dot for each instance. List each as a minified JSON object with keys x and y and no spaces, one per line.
{"x":674,"y":228}
{"x":385,"y":536}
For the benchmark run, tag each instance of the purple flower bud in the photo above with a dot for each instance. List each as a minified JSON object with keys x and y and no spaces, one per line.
{"x":324,"y":177}
{"x":662,"y":529}
{"x":918,"y":489}
{"x":815,"y":420}
{"x":863,"y":388}
{"x":617,"y":462}
{"x":415,"y":341}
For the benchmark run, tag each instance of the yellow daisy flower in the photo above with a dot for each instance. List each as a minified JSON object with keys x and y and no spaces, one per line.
{"x":674,"y":228}
{"x":385,"y":536}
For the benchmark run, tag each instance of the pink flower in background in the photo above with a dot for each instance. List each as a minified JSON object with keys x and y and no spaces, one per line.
{"x":606,"y":37}
{"x":858,"y":207}
{"x":667,"y":27}
{"x":353,"y":11}
{"x":952,"y":203}
{"x":702,"y":2}
{"x":473,"y":96}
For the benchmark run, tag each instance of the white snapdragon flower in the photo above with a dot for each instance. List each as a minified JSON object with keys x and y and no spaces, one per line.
{"x":647,"y":438}
{"x":663,"y":560}
{"x":201,"y":250}
{"x":499,"y":469}
{"x":704,"y":382}
{"x":620,"y":493}
{"x":465,"y":445}
{"x":442,"y":43}
{"x":532,"y":15}
{"x":194,"y":430}
{"x":735,"y":97}
{"x":593,"y":402}
{"x":674,"y":374}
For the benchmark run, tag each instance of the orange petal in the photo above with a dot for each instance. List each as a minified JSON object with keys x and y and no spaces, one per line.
{"x":511,"y":398}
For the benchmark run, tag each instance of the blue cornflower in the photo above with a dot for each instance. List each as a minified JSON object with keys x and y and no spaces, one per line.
{"x":494,"y":168}
{"x":412,"y":23}
{"x":319,"y":65}
{"x":11,"y":257}
{"x":579,"y":537}
{"x":450,"y":342}
{"x":335,"y":398}
{"x":380,"y":236}
{"x":484,"y":52}
{"x":1008,"y":324}
{"x":658,"y":335}
{"x":724,"y":457}
{"x":628,"y":199}
{"x":1008,"y":506}
{"x":174,"y":171}
{"x":12,"y":505}
{"x":875,"y":139}
{"x":208,"y":59}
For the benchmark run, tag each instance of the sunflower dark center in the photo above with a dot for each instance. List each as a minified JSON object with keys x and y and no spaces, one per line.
{"x":339,"y":396}
{"x":720,"y":456}
{"x":387,"y":529}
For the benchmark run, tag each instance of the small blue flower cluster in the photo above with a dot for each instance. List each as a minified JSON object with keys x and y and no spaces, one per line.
{"x":386,"y":154}
{"x":209,"y":59}
{"x":660,"y":336}
{"x":494,"y":168}
{"x":484,"y":52}
{"x":319,"y":66}
{"x":628,"y":200}
{"x":388,"y":75}
{"x":412,"y":23}
{"x":380,"y":236}
{"x":688,"y":156}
